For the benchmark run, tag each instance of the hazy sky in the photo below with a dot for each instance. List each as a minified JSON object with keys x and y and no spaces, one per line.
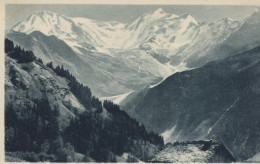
{"x":127,"y":13}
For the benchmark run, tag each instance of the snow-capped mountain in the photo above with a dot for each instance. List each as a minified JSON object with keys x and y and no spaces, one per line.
{"x":83,"y":30}
{"x":134,"y":55}
{"x":154,"y":30}
{"x":247,"y":36}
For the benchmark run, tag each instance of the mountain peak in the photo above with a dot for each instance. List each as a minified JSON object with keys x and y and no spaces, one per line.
{"x":186,"y":16}
{"x":47,"y":14}
{"x":256,"y":12}
{"x":156,"y":14}
{"x":254,"y":17}
{"x":159,"y":11}
{"x":44,"y":12}
{"x":190,"y":18}
{"x":49,"y":23}
{"x":226,"y":19}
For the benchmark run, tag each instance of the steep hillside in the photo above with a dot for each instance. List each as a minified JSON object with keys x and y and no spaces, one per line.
{"x":50,"y":116}
{"x":26,"y":83}
{"x":218,"y":101}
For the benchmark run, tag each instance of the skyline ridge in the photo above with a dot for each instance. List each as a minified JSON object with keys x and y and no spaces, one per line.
{"x":128,"y":14}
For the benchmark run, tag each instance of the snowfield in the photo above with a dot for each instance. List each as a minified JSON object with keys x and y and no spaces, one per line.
{"x":135,"y":55}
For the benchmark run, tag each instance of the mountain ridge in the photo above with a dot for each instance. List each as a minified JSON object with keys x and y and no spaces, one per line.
{"x":218,"y":101}
{"x":145,"y":51}
{"x":48,"y":18}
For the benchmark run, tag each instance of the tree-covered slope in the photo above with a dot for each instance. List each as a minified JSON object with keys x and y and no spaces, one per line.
{"x":50,"y":116}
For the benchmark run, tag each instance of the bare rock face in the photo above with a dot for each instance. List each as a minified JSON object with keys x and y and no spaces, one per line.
{"x":27,"y":83}
{"x":195,"y":151}
{"x":144,"y":150}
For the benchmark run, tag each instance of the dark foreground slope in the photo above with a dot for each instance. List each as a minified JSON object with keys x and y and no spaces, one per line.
{"x":50,"y":116}
{"x":220,"y":101}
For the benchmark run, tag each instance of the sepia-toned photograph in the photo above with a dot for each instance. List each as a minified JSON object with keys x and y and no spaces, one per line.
{"x":156,"y":83}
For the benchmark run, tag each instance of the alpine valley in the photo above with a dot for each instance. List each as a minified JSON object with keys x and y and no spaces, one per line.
{"x":95,"y":91}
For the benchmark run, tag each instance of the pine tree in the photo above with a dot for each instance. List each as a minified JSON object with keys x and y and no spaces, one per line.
{"x":9,"y":45}
{"x":50,"y":65}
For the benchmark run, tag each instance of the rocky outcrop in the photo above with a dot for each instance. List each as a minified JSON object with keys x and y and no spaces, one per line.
{"x":26,"y":83}
{"x":195,"y":151}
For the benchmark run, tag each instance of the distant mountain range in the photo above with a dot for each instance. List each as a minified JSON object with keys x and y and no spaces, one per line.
{"x":134,"y":55}
{"x":157,"y":30}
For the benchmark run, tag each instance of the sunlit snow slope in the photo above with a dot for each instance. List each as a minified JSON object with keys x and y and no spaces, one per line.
{"x":134,"y":55}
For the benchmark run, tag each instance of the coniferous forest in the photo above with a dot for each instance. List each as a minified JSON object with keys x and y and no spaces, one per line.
{"x":32,"y":133}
